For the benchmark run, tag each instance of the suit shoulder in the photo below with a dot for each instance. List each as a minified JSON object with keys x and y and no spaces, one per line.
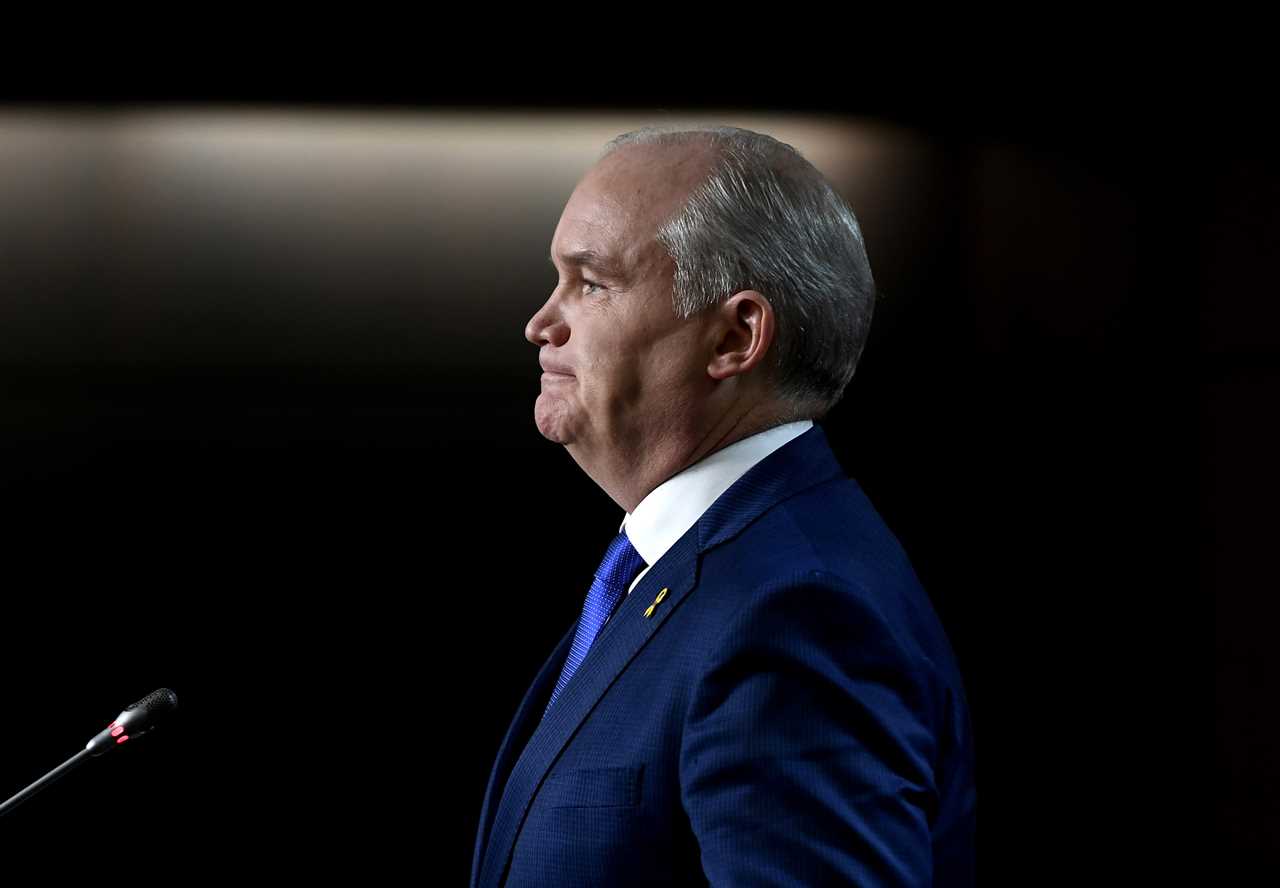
{"x":831,"y":529}
{"x":830,"y":537}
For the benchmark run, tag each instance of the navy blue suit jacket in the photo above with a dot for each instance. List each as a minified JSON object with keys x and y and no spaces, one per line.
{"x":790,"y":713}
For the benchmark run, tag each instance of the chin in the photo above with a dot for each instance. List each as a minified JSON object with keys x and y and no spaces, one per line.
{"x":552,"y":421}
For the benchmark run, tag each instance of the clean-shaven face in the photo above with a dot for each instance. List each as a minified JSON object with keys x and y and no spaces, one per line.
{"x":619,"y":367}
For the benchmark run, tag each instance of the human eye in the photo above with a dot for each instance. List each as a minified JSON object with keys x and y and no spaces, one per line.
{"x":588,"y":285}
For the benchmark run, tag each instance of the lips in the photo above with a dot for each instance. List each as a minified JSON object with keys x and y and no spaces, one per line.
{"x":548,"y":367}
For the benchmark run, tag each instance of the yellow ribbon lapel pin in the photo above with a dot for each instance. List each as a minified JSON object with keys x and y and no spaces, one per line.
{"x":657,"y":601}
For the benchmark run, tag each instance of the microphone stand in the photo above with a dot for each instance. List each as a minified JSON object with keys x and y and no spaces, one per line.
{"x":69,"y":765}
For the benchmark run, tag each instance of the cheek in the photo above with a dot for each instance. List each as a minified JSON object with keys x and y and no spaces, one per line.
{"x":672,"y":365}
{"x":611,"y":371}
{"x":649,"y":392}
{"x":632,"y":366}
{"x":610,"y":391}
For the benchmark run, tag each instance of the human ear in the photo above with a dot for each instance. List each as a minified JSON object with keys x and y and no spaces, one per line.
{"x":743,"y":329}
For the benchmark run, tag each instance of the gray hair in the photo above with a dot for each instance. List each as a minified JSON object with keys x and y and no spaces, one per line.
{"x":765,"y":219}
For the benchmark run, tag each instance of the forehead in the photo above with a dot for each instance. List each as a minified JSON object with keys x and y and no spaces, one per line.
{"x":621,"y":202}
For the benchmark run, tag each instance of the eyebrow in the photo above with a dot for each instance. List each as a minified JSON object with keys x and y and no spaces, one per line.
{"x":590,"y":259}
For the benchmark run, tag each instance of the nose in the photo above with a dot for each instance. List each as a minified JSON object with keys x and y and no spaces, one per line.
{"x":547,"y":326}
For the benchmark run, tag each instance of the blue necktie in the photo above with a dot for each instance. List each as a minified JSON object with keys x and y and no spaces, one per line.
{"x":620,"y":565}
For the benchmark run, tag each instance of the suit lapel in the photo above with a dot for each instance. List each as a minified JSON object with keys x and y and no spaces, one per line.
{"x":530,"y":708}
{"x":619,"y":641}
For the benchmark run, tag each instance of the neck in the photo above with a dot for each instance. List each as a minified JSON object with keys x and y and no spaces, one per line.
{"x":631,"y":477}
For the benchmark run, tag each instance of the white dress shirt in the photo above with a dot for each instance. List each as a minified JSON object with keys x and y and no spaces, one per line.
{"x":676,"y":504}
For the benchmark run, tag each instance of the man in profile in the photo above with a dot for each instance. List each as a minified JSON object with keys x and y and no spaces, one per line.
{"x":758,"y":691}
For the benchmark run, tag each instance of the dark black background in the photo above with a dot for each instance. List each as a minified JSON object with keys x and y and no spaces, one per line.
{"x":350,"y":573}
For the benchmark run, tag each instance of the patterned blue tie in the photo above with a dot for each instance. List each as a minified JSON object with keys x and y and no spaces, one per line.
{"x":620,"y":565}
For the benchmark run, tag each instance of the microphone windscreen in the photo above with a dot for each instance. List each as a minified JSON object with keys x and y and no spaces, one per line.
{"x":157,"y":702}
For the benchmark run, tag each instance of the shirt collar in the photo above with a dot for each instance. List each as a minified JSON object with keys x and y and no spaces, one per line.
{"x":676,"y":504}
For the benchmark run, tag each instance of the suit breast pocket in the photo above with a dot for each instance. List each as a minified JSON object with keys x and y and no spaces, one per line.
{"x":617,"y":787}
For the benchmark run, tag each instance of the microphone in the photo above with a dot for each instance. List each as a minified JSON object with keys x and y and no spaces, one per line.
{"x":133,"y":722}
